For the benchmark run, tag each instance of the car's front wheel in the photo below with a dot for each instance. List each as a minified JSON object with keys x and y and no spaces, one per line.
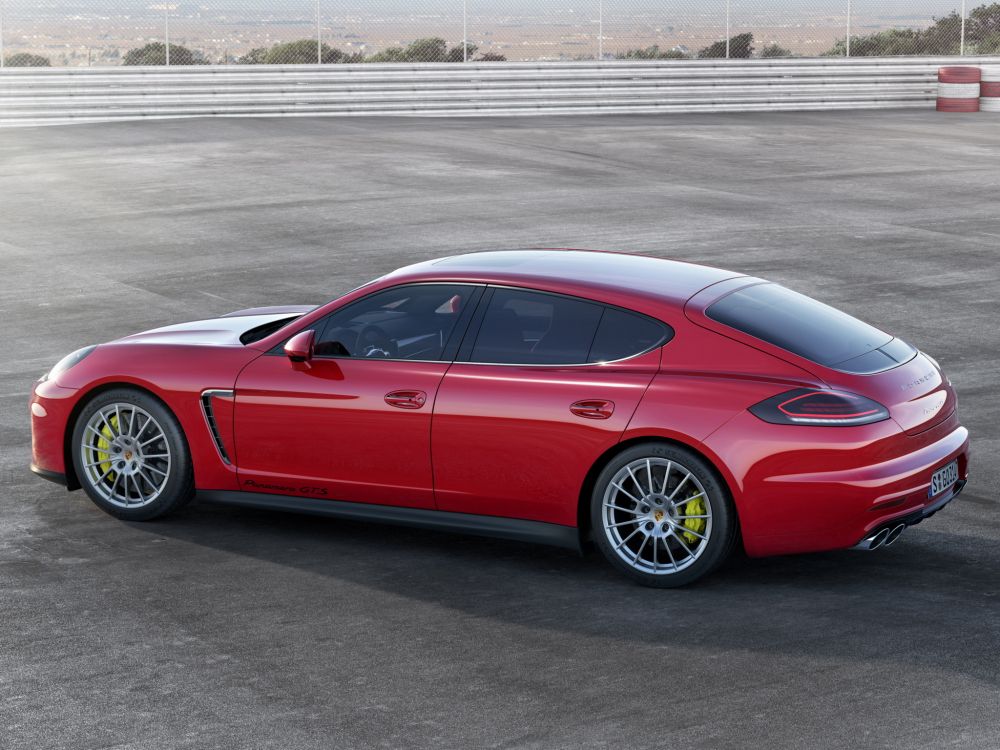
{"x":660,"y":515}
{"x":130,"y":455}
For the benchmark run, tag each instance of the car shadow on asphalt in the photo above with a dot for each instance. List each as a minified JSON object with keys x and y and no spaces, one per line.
{"x":934,"y":597}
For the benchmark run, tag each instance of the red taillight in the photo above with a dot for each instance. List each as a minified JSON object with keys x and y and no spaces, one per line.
{"x":806,"y":406}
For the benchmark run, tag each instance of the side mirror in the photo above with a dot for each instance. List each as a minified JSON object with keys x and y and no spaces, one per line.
{"x":299,"y":348}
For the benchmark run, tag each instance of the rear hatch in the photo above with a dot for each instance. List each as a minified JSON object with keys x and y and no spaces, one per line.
{"x":844,"y":352}
{"x":916,"y":394}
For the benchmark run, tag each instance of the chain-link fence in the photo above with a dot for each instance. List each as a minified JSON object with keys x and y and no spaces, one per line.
{"x":235,"y":32}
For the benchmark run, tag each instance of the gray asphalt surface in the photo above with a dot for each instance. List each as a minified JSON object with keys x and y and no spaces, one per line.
{"x":240,"y":629}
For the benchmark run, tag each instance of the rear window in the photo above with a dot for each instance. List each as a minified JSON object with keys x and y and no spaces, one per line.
{"x":803,"y":326}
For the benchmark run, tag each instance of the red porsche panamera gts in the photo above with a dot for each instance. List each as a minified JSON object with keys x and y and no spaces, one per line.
{"x":662,"y":409}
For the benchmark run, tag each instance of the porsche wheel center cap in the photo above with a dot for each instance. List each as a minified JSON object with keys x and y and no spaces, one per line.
{"x":658,"y":515}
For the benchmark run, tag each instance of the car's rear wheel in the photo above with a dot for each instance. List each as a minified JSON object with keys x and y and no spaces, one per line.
{"x":660,"y":514}
{"x":130,"y":455}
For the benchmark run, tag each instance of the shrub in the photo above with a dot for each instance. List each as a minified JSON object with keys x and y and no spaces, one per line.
{"x":775,"y":50}
{"x":943,"y":37}
{"x":740,"y":46}
{"x":253,"y":57}
{"x":155,"y":53}
{"x":652,"y":53}
{"x":26,"y":60}
{"x":430,"y":49}
{"x":302,"y":52}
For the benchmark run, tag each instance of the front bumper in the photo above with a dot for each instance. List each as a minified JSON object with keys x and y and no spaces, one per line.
{"x":51,"y":476}
{"x":50,"y":408}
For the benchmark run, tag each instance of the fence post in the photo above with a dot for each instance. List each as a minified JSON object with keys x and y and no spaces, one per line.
{"x":1,"y":33}
{"x":166,"y":31}
{"x":319,"y":38}
{"x":961,"y":45}
{"x":847,"y":49}
{"x":727,"y":28}
{"x":600,"y":30}
{"x":465,"y":31}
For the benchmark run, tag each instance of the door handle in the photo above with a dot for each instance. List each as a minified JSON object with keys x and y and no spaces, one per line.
{"x":593,"y":408}
{"x":406,"y":399}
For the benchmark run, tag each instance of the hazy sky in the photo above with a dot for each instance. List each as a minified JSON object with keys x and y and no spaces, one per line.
{"x":666,"y":8}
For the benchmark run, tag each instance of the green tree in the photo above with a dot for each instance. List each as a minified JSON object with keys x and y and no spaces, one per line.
{"x":302,"y":52}
{"x":454,"y":55}
{"x":429,"y":49}
{"x":943,"y":37}
{"x":253,"y":57}
{"x":983,"y":29}
{"x":983,"y":23}
{"x":740,"y":46}
{"x":652,"y":53}
{"x":388,"y":55}
{"x":26,"y":60}
{"x":155,"y":53}
{"x":432,"y":49}
{"x":891,"y":42}
{"x":775,"y":50}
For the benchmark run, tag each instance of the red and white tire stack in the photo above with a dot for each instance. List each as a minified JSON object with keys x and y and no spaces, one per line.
{"x":958,"y":89}
{"x":989,"y":89}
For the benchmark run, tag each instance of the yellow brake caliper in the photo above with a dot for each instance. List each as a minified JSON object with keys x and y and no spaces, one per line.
{"x":104,"y":447}
{"x":694,"y":507}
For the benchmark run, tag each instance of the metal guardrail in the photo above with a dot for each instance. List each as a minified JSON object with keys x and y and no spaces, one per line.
{"x":59,"y":95}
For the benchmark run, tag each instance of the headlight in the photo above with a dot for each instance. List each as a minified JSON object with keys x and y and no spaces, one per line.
{"x":67,"y":362}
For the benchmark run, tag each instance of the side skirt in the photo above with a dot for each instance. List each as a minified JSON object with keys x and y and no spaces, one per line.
{"x":535,"y":532}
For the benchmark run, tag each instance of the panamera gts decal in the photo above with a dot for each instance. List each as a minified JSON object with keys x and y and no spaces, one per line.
{"x":314,"y":491}
{"x":914,"y":383}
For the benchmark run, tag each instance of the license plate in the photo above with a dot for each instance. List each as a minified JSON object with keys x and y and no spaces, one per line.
{"x":943,"y":478}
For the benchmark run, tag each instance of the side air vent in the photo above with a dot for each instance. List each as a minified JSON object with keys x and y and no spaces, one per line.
{"x":206,"y":405}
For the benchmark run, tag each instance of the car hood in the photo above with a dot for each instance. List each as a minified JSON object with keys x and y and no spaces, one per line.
{"x":225,"y":330}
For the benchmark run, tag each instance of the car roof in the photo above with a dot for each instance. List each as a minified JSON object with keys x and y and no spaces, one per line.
{"x":658,"y":278}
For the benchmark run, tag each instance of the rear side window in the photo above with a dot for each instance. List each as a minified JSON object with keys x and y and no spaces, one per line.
{"x":803,"y":326}
{"x":536,"y":328}
{"x":624,"y":334}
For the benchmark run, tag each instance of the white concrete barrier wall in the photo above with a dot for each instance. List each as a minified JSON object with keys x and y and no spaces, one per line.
{"x":58,"y":95}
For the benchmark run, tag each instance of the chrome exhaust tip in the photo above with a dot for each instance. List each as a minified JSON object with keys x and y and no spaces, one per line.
{"x":879,"y":539}
{"x":894,"y":534}
{"x":873,"y":542}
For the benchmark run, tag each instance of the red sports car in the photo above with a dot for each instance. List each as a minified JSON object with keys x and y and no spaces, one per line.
{"x":664,"y":410}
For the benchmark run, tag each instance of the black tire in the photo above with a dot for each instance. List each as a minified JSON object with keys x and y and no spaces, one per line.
{"x":178,"y":487}
{"x":709,"y":554}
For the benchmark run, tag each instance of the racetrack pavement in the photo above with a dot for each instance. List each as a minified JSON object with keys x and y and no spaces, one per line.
{"x":230,"y":628}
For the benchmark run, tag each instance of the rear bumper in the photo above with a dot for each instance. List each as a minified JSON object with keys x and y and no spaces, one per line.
{"x":934,"y":507}
{"x":827,"y":495}
{"x":891,"y":531}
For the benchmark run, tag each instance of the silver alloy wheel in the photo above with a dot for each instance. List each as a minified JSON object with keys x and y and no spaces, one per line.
{"x":125,"y":455}
{"x":657,"y":515}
